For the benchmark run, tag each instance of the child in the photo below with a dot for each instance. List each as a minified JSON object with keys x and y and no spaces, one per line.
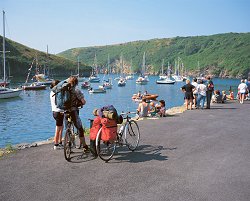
{"x":161,"y":108}
{"x":153,"y":110}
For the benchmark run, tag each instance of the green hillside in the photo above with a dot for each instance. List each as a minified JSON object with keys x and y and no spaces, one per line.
{"x":224,"y":55}
{"x":20,"y":57}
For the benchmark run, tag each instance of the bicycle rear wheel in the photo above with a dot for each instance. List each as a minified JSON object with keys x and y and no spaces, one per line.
{"x":67,"y":144}
{"x":105,"y":149}
{"x":132,"y":135}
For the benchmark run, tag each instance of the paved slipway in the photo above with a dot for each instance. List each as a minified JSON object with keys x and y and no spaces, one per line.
{"x":196,"y":155}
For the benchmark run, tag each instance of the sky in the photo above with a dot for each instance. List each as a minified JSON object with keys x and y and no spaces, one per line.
{"x":66,"y":24}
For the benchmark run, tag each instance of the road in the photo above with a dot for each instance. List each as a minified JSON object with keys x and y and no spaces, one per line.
{"x":196,"y":155}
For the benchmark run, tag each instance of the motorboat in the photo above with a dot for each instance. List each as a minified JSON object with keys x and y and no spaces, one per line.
{"x":94,"y":78}
{"x":9,"y":93}
{"x":34,"y":86}
{"x":107,"y":84}
{"x":146,"y":96}
{"x":121,"y":82}
{"x":85,"y":85}
{"x":97,"y":91}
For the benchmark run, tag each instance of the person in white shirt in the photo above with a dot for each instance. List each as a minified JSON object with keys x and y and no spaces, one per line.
{"x":58,"y":115}
{"x":242,"y":90}
{"x":202,"y":89}
{"x":195,"y":92}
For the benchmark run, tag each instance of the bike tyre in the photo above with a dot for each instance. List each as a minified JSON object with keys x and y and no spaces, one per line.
{"x":67,"y":145}
{"x":132,"y":135}
{"x":103,"y":149}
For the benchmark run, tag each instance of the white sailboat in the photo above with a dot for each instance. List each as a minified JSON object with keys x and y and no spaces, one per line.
{"x":177,"y":76}
{"x":143,"y":79}
{"x":130,"y":76}
{"x":107,"y":84}
{"x":93,"y":77}
{"x":43,"y":78}
{"x":34,"y":85}
{"x":80,"y":79}
{"x":122,"y":80}
{"x":166,"y":79}
{"x":7,"y":92}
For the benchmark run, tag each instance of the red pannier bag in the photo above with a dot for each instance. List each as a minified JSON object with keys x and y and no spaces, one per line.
{"x":109,"y":129}
{"x":95,"y":128}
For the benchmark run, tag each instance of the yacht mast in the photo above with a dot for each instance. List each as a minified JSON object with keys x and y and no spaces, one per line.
{"x":4,"y":72}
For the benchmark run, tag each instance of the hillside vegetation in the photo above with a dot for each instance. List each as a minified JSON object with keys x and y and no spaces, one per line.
{"x":20,"y":57}
{"x":223,"y":55}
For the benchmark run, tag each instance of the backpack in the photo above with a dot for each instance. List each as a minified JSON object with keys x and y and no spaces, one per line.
{"x":62,"y":95}
{"x":109,"y":112}
{"x":210,"y":86}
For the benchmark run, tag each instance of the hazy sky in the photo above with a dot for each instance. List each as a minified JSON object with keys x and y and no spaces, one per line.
{"x":65,"y":24}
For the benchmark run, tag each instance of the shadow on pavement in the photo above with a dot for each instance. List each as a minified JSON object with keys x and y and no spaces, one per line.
{"x":79,"y":157}
{"x":142,"y":154}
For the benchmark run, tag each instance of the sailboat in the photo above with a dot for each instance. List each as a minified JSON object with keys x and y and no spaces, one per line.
{"x":122,"y":80}
{"x":42,"y":78}
{"x":35,"y":85}
{"x":107,"y":84}
{"x":130,"y":76}
{"x":80,"y":79}
{"x":177,"y":76}
{"x":93,"y":77}
{"x":143,"y":79}
{"x":6,"y":92}
{"x":165,"y":79}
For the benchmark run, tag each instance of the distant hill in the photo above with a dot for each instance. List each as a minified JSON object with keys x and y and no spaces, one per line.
{"x":20,"y":57}
{"x":222,"y":55}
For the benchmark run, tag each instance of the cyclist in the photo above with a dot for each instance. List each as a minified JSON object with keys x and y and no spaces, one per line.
{"x":77,"y":100}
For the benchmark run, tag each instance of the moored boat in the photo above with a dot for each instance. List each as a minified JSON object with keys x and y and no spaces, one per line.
{"x":85,"y":85}
{"x":9,"y":93}
{"x":34,"y":86}
{"x":97,"y":91}
{"x":122,"y":82}
{"x":165,"y":81}
{"x":147,"y":96}
{"x":6,"y":92}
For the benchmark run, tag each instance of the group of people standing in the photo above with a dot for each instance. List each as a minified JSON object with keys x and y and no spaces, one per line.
{"x":197,"y":93}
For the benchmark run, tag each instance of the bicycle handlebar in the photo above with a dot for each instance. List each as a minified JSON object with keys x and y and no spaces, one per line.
{"x":126,"y":113}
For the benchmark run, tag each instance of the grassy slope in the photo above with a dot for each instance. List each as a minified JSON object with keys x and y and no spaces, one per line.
{"x":20,"y":58}
{"x":225,"y":55}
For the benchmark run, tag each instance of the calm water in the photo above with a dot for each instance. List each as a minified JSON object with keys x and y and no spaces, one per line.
{"x":29,"y":118}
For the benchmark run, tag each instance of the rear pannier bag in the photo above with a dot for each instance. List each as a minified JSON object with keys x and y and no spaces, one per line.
{"x":95,"y":128}
{"x":109,"y":129}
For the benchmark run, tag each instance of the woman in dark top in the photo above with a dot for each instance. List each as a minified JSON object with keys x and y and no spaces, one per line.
{"x":188,"y":89}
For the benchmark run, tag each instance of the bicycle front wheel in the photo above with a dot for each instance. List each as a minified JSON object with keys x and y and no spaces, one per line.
{"x":67,"y":144}
{"x":105,"y":149}
{"x":132,"y":135}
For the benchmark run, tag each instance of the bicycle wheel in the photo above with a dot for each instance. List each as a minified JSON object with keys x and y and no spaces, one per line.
{"x":105,"y":149}
{"x":67,"y":144}
{"x":132,"y":135}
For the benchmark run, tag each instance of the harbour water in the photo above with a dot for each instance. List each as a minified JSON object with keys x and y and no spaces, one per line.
{"x":29,"y":118}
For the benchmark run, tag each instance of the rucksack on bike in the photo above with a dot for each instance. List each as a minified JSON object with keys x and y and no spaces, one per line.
{"x":109,"y":129}
{"x":96,"y":125}
{"x":109,"y":112}
{"x":62,"y":95}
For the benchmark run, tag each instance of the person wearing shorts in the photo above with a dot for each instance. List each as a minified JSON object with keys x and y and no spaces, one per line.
{"x":58,"y":115}
{"x":242,"y":90}
{"x":188,"y":89}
